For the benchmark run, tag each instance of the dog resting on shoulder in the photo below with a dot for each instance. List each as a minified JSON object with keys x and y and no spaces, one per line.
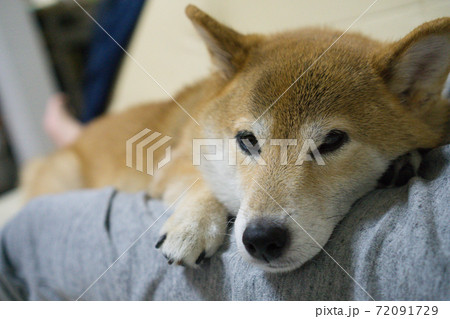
{"x":363,"y":103}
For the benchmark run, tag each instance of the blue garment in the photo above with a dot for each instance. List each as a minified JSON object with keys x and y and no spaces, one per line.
{"x":118,"y":18}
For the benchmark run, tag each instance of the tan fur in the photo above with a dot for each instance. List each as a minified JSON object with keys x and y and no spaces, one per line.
{"x":366,"y":88}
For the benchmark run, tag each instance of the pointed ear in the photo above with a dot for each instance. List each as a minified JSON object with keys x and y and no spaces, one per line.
{"x":416,"y":67}
{"x":228,"y":48}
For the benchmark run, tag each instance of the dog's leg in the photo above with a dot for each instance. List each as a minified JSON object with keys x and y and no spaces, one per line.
{"x":56,"y":173}
{"x":198,"y":225}
{"x":401,"y":170}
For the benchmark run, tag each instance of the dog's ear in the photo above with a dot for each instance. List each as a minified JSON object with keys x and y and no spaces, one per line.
{"x":228,"y":48}
{"x":416,"y":67}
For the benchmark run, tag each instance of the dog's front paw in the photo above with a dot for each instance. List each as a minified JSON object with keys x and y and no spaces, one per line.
{"x":401,"y":170}
{"x":188,"y":237}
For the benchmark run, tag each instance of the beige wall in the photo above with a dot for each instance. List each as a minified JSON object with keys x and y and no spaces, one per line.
{"x":166,"y":46}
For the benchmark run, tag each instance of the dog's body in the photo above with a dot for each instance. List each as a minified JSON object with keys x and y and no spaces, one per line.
{"x":364,"y":102}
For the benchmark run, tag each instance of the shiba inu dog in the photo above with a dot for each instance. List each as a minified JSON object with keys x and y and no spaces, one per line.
{"x":362,"y":102}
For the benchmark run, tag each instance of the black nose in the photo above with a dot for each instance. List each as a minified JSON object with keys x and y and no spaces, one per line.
{"x":264,"y":241}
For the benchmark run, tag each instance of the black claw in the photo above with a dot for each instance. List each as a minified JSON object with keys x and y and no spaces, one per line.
{"x":170,"y":262}
{"x":200,"y":258}
{"x":161,"y":241}
{"x":387,"y":177}
{"x":405,"y":174}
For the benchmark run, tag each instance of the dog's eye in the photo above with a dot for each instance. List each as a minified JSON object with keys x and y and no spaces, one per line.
{"x":333,"y":141}
{"x":246,"y":140}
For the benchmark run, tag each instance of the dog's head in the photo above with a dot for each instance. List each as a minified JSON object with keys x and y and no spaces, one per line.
{"x":316,"y":119}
